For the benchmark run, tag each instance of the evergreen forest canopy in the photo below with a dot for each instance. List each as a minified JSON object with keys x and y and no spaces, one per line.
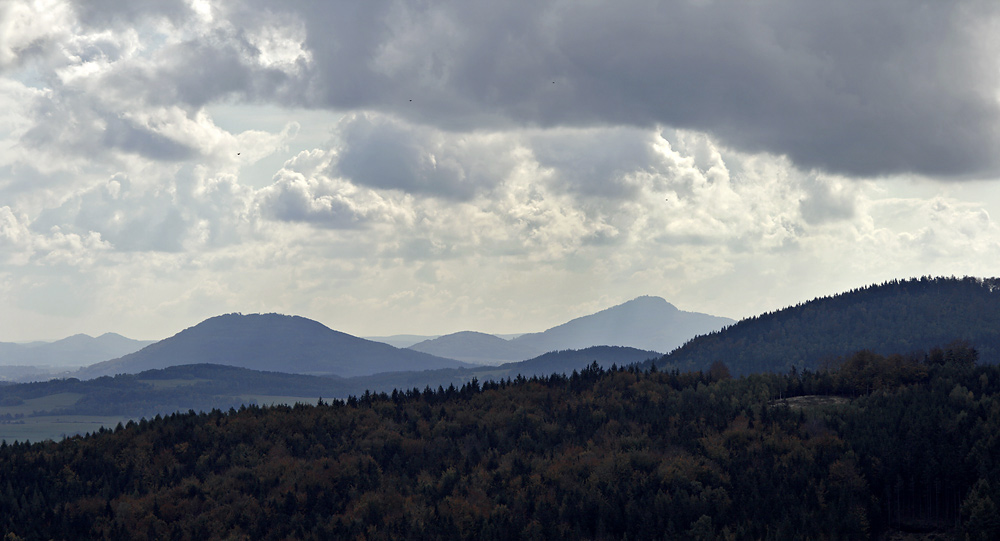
{"x":908,"y":443}
{"x":899,"y":316}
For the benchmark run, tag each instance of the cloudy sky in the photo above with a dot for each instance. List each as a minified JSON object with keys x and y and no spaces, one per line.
{"x":428,"y":167}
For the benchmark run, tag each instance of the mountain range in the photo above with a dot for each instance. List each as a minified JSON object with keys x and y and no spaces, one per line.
{"x":272,"y":342}
{"x":205,"y":386}
{"x":922,"y":319}
{"x":647,"y":323}
{"x":293,"y":344}
{"x":74,"y":351}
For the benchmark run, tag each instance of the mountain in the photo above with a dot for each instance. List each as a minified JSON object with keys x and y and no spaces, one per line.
{"x":894,"y":317}
{"x":647,"y":323}
{"x":400,"y":340}
{"x":476,"y":347}
{"x":74,"y":351}
{"x":271,"y":342}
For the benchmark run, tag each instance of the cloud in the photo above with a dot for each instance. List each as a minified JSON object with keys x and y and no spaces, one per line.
{"x":302,"y":192}
{"x":847,"y":87}
{"x":597,"y":163}
{"x":828,"y":199}
{"x":379,"y":152}
{"x":109,"y":13}
{"x":31,"y":30}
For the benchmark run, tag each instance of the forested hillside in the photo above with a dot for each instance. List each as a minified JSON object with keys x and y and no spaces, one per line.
{"x":600,"y":454}
{"x":894,"y":317}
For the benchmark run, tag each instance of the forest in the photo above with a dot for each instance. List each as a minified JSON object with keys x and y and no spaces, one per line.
{"x":906,"y":443}
{"x":898,"y":316}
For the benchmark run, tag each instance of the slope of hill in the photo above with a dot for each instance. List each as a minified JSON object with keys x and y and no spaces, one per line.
{"x":896,"y":316}
{"x":619,"y":454}
{"x":74,"y":351}
{"x":649,"y":323}
{"x":401,"y":340}
{"x":271,"y":342}
{"x":476,"y":347}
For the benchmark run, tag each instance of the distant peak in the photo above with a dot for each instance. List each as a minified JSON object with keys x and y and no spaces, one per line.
{"x":469,"y":333}
{"x":649,"y":300}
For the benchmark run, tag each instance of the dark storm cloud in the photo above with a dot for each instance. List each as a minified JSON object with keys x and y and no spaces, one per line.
{"x":854,"y":87}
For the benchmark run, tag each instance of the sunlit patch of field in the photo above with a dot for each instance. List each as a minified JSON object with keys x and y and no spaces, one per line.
{"x":272,"y":400}
{"x":811,"y":401}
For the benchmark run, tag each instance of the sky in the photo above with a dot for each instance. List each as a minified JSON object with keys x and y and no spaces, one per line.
{"x":434,"y":166}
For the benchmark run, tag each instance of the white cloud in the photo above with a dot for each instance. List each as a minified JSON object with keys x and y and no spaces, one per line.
{"x":31,"y":29}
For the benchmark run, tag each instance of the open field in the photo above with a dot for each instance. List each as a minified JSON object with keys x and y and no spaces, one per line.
{"x":811,"y":401}
{"x":271,"y":400}
{"x":41,"y":404}
{"x":55,"y":427}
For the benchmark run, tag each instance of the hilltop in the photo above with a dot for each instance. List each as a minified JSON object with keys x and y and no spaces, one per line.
{"x":898,"y":316}
{"x":646,"y":323}
{"x":271,"y":342}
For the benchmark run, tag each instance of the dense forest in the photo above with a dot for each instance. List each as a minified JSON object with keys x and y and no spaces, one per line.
{"x":898,"y":316}
{"x":901,"y":442}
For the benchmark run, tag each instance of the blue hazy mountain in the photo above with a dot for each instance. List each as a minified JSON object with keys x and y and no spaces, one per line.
{"x":476,"y":347}
{"x":74,"y":351}
{"x":271,"y":342}
{"x":646,"y":323}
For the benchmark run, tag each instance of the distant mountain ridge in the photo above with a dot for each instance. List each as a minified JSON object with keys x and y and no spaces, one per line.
{"x":476,"y":347}
{"x":646,"y":323}
{"x":205,"y":386}
{"x":898,"y":316}
{"x":73,"y":351}
{"x":271,"y":342}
